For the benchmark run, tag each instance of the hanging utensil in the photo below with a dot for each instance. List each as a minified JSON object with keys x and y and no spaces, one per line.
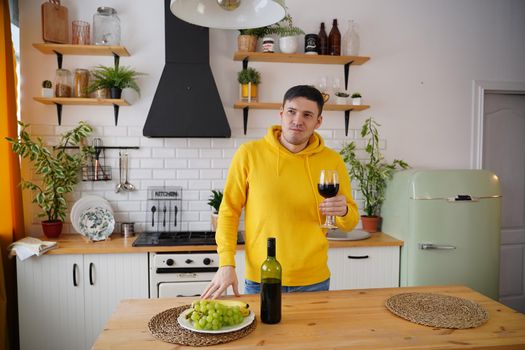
{"x":119,"y":187}
{"x":153,"y":210}
{"x":97,"y":145}
{"x":164,"y":216}
{"x":175,"y":211}
{"x":127,"y":185}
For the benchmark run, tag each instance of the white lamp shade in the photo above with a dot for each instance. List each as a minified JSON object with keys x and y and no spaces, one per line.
{"x":249,"y":14}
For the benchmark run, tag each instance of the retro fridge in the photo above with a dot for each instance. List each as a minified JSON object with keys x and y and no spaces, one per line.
{"x":449,"y":221}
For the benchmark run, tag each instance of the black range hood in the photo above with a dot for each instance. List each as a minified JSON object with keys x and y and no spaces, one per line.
{"x":187,"y":102}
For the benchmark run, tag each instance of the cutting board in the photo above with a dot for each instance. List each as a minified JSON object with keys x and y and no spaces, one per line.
{"x":55,"y":22}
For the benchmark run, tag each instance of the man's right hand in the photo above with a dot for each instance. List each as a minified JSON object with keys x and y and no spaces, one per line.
{"x":224,"y":277}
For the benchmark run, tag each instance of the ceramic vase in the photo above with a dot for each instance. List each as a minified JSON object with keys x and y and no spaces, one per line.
{"x":288,"y":44}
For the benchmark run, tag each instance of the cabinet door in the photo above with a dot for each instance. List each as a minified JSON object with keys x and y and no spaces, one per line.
{"x":50,"y":306}
{"x":109,"y":278}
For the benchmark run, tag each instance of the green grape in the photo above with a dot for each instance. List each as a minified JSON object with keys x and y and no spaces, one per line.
{"x":208,"y":326}
{"x":202,"y":322}
{"x":197,"y":325}
{"x":197,"y":307}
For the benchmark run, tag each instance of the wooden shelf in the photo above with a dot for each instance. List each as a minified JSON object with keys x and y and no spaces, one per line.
{"x":85,"y":50}
{"x":77,"y":101}
{"x":298,"y":58}
{"x":245,"y":106}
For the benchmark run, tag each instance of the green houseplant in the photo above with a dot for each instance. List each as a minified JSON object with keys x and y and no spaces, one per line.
{"x":247,"y":39}
{"x":115,"y":79}
{"x":57,"y":169}
{"x":287,"y":33}
{"x":248,"y":79}
{"x":372,"y":173}
{"x":215,"y":201}
{"x":356,"y":98}
{"x":47,"y":89}
{"x":341,"y":97}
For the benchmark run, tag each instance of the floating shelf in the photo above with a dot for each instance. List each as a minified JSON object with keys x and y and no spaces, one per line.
{"x":61,"y":101}
{"x":84,"y":50}
{"x":245,"y":106}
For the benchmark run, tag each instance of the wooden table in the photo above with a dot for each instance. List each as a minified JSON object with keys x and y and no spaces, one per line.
{"x":355,"y":319}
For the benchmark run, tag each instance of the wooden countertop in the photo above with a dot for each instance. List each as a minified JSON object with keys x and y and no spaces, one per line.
{"x":75,"y":244}
{"x":355,"y":319}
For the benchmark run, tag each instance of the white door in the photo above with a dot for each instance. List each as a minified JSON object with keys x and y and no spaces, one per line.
{"x":51,"y":302}
{"x":504,"y":154}
{"x":109,"y":278}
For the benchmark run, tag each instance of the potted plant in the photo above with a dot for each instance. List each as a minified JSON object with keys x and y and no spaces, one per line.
{"x":115,"y":79}
{"x":371,"y":173}
{"x":247,"y":39}
{"x":356,"y":98}
{"x":248,"y":79}
{"x":287,"y":33}
{"x":57,"y":169}
{"x":215,"y":201}
{"x":47,"y":89}
{"x":341,"y":97}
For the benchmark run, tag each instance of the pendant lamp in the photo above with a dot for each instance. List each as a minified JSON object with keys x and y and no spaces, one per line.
{"x":229,"y":14}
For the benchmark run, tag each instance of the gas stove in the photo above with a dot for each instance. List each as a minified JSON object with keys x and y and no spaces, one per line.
{"x":148,"y":239}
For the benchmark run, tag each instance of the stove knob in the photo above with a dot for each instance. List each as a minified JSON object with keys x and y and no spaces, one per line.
{"x":188,"y":261}
{"x":206,"y":261}
{"x":170,"y":262}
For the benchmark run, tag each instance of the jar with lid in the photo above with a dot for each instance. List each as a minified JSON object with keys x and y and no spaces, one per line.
{"x":106,"y":27}
{"x":62,"y":83}
{"x":80,"y":83}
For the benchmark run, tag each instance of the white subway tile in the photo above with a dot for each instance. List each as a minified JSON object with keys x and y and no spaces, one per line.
{"x":128,"y":205}
{"x":199,"y":184}
{"x":139,"y":153}
{"x":220,"y":163}
{"x":152,"y":163}
{"x":121,"y":141}
{"x":103,"y":185}
{"x":114,"y":131}
{"x":180,"y":183}
{"x":210,"y":153}
{"x":218,"y":184}
{"x":187,"y":153}
{"x":190,"y":216}
{"x":210,"y":174}
{"x":198,"y":226}
{"x":222,"y":143}
{"x":134,"y":131}
{"x":205,"y":216}
{"x":176,"y":143}
{"x":325,"y":133}
{"x":199,"y":143}
{"x":139,"y":174}
{"x":187,"y":174}
{"x":151,"y":142}
{"x":144,"y":184}
{"x":120,"y":216}
{"x":138,"y":195}
{"x":163,"y":153}
{"x":190,"y":195}
{"x":112,"y":196}
{"x":175,"y":163}
{"x":164,"y":174}
{"x":199,"y":164}
{"x":228,"y":153}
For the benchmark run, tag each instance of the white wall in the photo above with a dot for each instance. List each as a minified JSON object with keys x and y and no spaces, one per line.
{"x":424,"y":57}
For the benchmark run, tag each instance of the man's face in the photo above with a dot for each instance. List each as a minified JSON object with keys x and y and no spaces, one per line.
{"x":299,"y":118}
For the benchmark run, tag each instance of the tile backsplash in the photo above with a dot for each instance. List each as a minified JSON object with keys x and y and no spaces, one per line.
{"x":196,"y":165}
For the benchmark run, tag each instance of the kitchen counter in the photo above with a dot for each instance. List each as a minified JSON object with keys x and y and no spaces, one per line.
{"x":354,"y":319}
{"x":76,"y":244}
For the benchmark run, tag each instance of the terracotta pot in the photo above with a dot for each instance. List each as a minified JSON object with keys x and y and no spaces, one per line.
{"x":248,"y":92}
{"x":214,"y":219}
{"x":52,"y":229}
{"x":247,"y":43}
{"x":370,"y":223}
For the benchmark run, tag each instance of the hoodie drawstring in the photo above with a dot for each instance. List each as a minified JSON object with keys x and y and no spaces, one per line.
{"x":314,"y":189}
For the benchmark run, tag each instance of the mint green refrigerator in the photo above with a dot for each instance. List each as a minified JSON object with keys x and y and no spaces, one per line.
{"x":449,"y":221}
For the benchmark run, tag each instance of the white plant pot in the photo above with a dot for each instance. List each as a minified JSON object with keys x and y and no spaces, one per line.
{"x":356,"y":101}
{"x":47,"y":92}
{"x":288,"y":44}
{"x":214,"y":221}
{"x":341,"y":100}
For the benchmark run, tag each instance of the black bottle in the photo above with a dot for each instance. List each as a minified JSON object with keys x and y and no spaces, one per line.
{"x":271,"y":286}
{"x":323,"y":41}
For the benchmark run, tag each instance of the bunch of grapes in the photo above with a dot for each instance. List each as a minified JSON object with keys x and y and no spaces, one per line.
{"x":211,"y":315}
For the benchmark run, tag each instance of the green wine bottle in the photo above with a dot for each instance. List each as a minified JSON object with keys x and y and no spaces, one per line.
{"x":271,"y":286}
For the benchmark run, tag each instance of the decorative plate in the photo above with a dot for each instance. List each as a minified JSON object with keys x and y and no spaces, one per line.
{"x":96,"y":223}
{"x":186,"y":323}
{"x":84,"y":203}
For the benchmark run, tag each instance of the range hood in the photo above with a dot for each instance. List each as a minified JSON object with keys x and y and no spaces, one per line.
{"x":187,"y":102}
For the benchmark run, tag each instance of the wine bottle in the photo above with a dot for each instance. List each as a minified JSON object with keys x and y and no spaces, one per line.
{"x":334,"y":40}
{"x":323,"y":41}
{"x":271,"y":286}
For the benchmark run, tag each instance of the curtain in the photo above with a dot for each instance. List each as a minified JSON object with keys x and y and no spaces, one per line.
{"x":11,"y":212}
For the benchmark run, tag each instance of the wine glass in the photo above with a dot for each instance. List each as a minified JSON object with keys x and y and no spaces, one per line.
{"x":328,"y":187}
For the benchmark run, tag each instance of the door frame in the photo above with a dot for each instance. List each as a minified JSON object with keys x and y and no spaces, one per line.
{"x":479,"y":88}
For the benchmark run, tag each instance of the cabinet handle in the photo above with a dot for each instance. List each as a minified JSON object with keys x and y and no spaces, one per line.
{"x":357,"y":257}
{"x":91,"y":274}
{"x":75,"y":284}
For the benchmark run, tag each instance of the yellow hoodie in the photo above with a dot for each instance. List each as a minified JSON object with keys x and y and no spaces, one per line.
{"x":278,"y":190}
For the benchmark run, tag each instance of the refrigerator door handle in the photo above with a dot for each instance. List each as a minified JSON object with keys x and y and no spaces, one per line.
{"x":428,"y":246}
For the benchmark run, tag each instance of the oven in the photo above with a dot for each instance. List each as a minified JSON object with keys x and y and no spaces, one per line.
{"x":181,"y":274}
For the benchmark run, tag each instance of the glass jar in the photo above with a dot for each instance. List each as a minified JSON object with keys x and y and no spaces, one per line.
{"x":80,"y":83}
{"x":106,"y":27}
{"x":62,"y":83}
{"x":351,"y":39}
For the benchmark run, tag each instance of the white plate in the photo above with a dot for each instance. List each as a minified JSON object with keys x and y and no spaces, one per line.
{"x":89,"y":201}
{"x":96,"y":223}
{"x":188,"y":324}
{"x":355,"y":235}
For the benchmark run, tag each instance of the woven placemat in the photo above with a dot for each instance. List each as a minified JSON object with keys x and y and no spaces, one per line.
{"x":437,"y":310}
{"x":165,"y":327}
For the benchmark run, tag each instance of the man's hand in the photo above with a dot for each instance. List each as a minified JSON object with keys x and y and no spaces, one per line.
{"x":224,"y":277}
{"x":335,"y":206}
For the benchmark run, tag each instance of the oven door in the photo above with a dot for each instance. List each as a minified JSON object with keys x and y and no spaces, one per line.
{"x":181,"y":289}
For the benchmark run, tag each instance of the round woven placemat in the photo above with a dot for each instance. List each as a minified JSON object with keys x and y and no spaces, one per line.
{"x":165,"y":327}
{"x":437,"y":310}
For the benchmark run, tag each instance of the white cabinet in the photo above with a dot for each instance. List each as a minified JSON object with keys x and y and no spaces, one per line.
{"x":364,"y":267}
{"x":65,"y":300}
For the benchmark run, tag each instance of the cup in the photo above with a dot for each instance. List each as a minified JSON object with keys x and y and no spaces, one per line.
{"x":80,"y":33}
{"x":127,"y":229}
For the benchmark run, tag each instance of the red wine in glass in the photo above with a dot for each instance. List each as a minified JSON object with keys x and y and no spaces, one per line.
{"x":328,"y":187}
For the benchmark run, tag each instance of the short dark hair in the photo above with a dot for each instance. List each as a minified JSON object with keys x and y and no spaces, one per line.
{"x":306,"y":91}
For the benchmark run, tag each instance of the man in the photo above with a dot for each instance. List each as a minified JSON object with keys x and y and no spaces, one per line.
{"x":275,"y":180}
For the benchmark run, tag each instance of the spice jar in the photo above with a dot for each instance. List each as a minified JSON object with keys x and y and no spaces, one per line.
{"x":106,"y":27}
{"x":80,"y":83}
{"x":268,"y":44}
{"x":62,"y":83}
